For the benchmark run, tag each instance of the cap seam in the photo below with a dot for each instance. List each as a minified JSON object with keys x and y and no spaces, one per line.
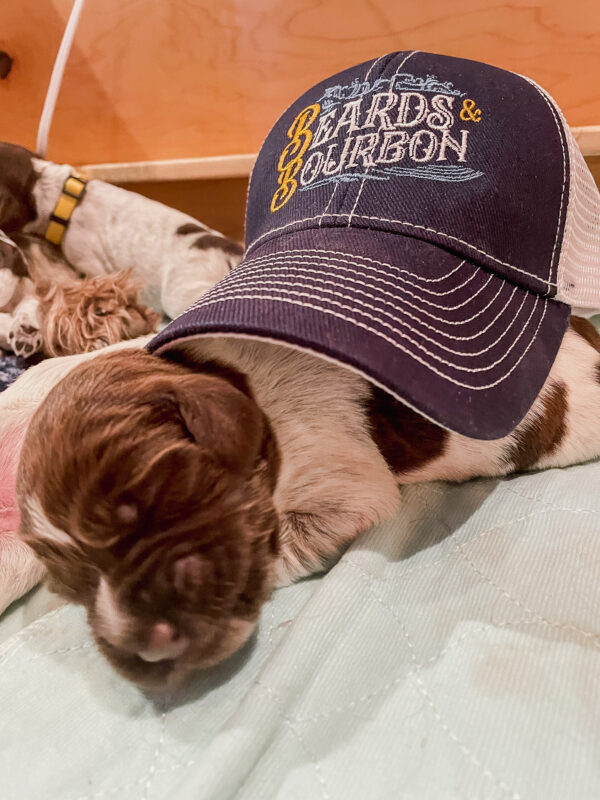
{"x":336,"y":185}
{"x":362,"y":183}
{"x":273,"y":231}
{"x":554,"y":269}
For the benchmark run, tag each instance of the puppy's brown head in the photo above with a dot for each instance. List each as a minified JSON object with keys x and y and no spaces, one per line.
{"x":84,"y":315}
{"x":146,"y":489}
{"x":17,"y":177}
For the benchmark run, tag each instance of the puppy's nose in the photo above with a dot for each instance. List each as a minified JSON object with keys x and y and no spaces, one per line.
{"x":163,"y":643}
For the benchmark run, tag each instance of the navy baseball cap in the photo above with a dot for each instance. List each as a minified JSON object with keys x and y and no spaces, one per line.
{"x":426,"y":221}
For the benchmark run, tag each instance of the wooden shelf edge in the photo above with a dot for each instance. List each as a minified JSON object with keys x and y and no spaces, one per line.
{"x":240,"y":165}
{"x":588,"y":139}
{"x":175,"y":169}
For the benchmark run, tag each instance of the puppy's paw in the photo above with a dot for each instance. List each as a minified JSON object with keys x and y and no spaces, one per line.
{"x":25,"y":338}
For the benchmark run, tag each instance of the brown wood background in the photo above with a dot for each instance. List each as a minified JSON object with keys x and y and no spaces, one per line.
{"x":153,"y":79}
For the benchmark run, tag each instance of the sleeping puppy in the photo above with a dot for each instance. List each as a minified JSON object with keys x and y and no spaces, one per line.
{"x":175,"y":257}
{"x":53,"y":309}
{"x":173,"y":493}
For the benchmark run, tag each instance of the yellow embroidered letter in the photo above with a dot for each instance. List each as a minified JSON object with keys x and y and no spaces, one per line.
{"x":290,"y":160}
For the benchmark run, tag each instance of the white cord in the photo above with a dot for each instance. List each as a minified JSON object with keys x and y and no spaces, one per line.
{"x":57,"y":76}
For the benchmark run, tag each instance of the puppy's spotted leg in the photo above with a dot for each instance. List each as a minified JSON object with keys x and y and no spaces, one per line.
{"x":563,"y":426}
{"x":569,"y":429}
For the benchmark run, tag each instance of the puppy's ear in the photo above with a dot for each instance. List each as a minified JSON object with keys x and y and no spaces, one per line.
{"x":14,"y":213}
{"x":222,"y":420}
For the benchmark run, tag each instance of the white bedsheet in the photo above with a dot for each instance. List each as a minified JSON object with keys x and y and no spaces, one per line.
{"x":452,"y":653}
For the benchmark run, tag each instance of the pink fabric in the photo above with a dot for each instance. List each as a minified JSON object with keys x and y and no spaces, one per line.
{"x":11,"y":440}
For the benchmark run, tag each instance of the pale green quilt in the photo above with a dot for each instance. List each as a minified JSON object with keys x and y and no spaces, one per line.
{"x":452,"y":653}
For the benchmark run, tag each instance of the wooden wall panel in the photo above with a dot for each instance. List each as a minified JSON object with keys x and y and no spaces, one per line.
{"x":593,"y":163}
{"x":153,"y":79}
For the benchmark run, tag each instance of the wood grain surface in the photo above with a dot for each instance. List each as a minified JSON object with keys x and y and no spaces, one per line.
{"x":161,"y":79}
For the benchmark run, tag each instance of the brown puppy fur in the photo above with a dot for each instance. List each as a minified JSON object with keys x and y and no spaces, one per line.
{"x":84,"y":315}
{"x":17,"y":206}
{"x":176,"y":555}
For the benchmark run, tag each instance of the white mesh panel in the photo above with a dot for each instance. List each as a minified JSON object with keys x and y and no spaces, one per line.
{"x":578,"y":277}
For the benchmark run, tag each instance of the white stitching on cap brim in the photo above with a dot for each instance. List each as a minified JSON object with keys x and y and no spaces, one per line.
{"x":549,"y":284}
{"x":391,"y":341}
{"x":273,"y":264}
{"x":356,"y":258}
{"x":300,"y":298}
{"x":348,"y":261}
{"x":283,"y":283}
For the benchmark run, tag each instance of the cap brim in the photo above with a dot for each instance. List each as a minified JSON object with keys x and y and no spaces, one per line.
{"x":462,"y":346}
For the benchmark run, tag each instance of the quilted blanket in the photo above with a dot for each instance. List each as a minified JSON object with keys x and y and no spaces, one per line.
{"x":451,"y":653}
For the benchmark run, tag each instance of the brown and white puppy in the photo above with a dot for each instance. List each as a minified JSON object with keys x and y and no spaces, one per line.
{"x":175,"y":257}
{"x":197,"y":472}
{"x":172,"y":494}
{"x":54,"y":310}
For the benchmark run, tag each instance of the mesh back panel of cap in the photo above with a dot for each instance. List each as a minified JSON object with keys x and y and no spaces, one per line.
{"x":578,"y":279}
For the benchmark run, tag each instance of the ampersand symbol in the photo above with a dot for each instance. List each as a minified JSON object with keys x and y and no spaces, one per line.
{"x":470,"y":111}
{"x":290,"y":160}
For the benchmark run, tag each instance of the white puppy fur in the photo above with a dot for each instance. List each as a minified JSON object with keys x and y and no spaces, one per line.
{"x":8,"y":286}
{"x":113,"y":229}
{"x":20,"y":317}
